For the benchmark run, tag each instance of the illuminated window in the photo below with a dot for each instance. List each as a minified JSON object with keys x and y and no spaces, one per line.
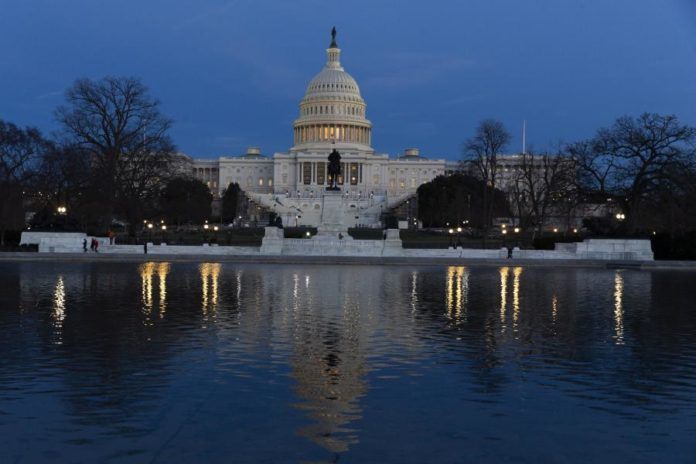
{"x":353,"y":173}
{"x":339,"y":181}
{"x":321,"y":173}
{"x":270,"y":182}
{"x":307,"y":173}
{"x":413,"y":182}
{"x":260,"y":182}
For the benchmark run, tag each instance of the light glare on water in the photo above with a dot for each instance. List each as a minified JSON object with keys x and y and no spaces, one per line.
{"x":210,"y":362}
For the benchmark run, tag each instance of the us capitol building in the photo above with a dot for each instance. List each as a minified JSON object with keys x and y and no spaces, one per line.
{"x":293,"y":184}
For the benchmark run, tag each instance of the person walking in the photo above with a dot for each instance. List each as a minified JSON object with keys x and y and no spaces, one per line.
{"x":84,"y":244}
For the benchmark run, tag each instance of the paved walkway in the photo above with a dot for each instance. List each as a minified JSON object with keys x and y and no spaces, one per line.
{"x":350,"y":260}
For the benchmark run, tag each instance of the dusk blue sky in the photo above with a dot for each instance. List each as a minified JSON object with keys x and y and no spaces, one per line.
{"x":231,"y":73}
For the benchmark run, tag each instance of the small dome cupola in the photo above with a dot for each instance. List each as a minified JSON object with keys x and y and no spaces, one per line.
{"x":333,"y":53}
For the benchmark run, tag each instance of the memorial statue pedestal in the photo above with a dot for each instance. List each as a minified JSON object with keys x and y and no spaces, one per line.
{"x":332,"y":217}
{"x":332,"y":232}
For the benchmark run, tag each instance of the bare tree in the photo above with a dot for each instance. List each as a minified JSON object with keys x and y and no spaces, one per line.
{"x":481,"y":153}
{"x":64,"y":176}
{"x":543,"y":186}
{"x":631,"y":160}
{"x":20,"y":154}
{"x":119,"y":126}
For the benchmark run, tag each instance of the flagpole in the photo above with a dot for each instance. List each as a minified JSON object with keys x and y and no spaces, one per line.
{"x":524,"y":137}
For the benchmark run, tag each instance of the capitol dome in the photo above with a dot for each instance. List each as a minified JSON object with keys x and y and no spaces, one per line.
{"x":332,"y":110}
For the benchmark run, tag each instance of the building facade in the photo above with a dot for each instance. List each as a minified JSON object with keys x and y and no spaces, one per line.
{"x":332,"y":115}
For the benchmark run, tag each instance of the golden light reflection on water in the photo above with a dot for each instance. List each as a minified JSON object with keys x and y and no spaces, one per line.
{"x":554,"y":307}
{"x":517,"y":272}
{"x":504,"y":280}
{"x":210,"y":297}
{"x":238,"y":277}
{"x":295,"y":293}
{"x":58,"y":313}
{"x":147,"y":272}
{"x":295,"y":286}
{"x":457,"y":291}
{"x":162,"y":271}
{"x":414,"y":291}
{"x":504,"y":271}
{"x":618,"y":308}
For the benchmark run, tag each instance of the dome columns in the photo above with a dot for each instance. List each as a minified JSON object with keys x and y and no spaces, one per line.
{"x":332,"y":132}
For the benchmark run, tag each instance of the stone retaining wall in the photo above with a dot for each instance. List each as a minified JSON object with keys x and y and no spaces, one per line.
{"x":273,"y":244}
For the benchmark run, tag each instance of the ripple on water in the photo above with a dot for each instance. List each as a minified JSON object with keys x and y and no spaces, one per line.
{"x":168,"y":363}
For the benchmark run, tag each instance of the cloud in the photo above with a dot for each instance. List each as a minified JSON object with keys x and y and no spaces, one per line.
{"x":226,"y":141}
{"x":465,"y":99}
{"x":50,"y":95}
{"x":205,"y":15}
{"x":277,"y":77}
{"x":415,"y":69}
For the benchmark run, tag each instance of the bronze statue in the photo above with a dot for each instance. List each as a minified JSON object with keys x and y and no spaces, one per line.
{"x":333,"y":38}
{"x":334,"y":169}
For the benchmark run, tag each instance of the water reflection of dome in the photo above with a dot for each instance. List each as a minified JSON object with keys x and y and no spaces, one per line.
{"x":330,"y":373}
{"x":325,"y":325}
{"x":329,"y":355}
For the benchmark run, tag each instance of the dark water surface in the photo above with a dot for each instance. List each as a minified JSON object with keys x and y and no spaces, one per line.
{"x":227,"y":363}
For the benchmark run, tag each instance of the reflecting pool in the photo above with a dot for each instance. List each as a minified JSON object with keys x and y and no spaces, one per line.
{"x":239,"y":363}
